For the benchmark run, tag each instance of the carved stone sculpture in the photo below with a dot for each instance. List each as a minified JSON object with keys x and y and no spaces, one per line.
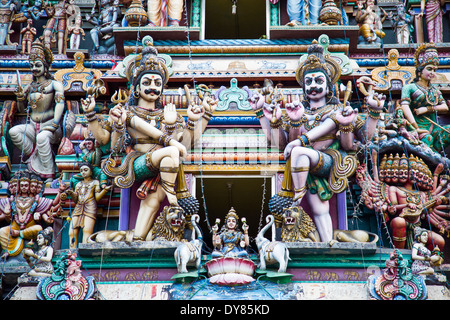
{"x":318,"y":167}
{"x":86,"y":195}
{"x":154,"y":155}
{"x":271,"y":252}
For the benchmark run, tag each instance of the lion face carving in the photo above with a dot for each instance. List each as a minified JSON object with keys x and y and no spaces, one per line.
{"x":169,"y":225}
{"x":297,"y":226}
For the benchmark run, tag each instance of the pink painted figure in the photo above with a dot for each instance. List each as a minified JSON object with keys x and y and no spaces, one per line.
{"x":433,"y":16}
{"x":76,"y":33}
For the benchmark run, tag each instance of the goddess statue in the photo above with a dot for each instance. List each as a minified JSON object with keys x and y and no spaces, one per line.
{"x":86,"y":195}
{"x":44,"y":98}
{"x":76,"y":33}
{"x":230,"y":241}
{"x":422,"y":102}
{"x":421,"y":255}
{"x":24,"y":210}
{"x":308,"y":134}
{"x":159,"y":136}
{"x":433,"y":17}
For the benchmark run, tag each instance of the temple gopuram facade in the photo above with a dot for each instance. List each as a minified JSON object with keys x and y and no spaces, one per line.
{"x":225,"y":150}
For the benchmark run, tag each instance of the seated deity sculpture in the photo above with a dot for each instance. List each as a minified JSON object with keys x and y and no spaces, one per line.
{"x":43,"y":99}
{"x":422,"y":102}
{"x":26,"y":211}
{"x":315,"y":152}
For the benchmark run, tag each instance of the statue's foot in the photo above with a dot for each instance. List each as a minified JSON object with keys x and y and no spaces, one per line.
{"x":332,"y":242}
{"x":138,"y":238}
{"x":293,"y":23}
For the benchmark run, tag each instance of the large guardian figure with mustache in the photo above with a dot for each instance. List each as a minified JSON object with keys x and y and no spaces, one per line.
{"x":314,"y":133}
{"x":154,"y":138}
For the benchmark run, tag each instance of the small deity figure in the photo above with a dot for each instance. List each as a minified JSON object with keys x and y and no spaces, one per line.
{"x":28,"y":33}
{"x":309,"y":138}
{"x":433,"y":17}
{"x":370,"y":22}
{"x":57,"y":24}
{"x":86,"y":195}
{"x":405,"y":129}
{"x":7,"y":9}
{"x":403,"y":24}
{"x":104,"y":24}
{"x":92,"y":154}
{"x":76,"y":33}
{"x":163,"y":13}
{"x":159,"y":137}
{"x":23,"y":13}
{"x":421,"y":255}
{"x":36,"y":11}
{"x":44,"y":98}
{"x":40,"y":261}
{"x":230,"y":241}
{"x":24,"y":211}
{"x":302,"y":12}
{"x":422,"y":102}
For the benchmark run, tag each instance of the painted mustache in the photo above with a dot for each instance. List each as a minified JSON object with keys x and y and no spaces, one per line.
{"x":154,"y":91}
{"x":314,"y":89}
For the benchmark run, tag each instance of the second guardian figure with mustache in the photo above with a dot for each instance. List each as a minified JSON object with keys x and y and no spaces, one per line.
{"x":315,"y":133}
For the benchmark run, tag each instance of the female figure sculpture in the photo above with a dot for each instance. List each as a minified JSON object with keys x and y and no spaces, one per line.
{"x":230,"y":241}
{"x":421,"y":255}
{"x":41,"y":260}
{"x":433,"y":17}
{"x":421,"y":102}
{"x":159,"y":136}
{"x":76,"y":33}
